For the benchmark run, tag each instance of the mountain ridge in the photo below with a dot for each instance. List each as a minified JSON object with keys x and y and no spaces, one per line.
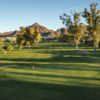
{"x":45,"y":32}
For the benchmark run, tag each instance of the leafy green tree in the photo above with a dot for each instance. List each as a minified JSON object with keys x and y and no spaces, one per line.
{"x":21,"y":43}
{"x":37,"y":36}
{"x":74,"y":26}
{"x":93,"y":19}
{"x":21,"y":37}
{"x":28,"y":36}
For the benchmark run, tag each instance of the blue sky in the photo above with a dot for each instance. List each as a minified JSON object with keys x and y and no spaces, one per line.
{"x":16,"y":13}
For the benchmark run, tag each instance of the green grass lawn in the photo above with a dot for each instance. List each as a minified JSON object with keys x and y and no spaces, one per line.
{"x":61,"y":73}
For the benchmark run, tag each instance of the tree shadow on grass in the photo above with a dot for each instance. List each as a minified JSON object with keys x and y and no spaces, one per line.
{"x":52,"y":67}
{"x":68,"y":67}
{"x":67,"y":63}
{"x":55,"y":76}
{"x":22,"y":90}
{"x":73,"y":53}
{"x":14,"y":64}
{"x":56,"y":58}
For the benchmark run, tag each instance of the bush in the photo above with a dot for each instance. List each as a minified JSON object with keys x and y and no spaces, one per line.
{"x":1,"y":45}
{"x":8,"y":48}
{"x":66,"y":38}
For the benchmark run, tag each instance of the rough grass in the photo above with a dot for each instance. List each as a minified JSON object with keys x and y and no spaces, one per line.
{"x":61,"y":73}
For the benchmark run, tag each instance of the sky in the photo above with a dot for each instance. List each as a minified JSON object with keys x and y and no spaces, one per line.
{"x":16,"y":13}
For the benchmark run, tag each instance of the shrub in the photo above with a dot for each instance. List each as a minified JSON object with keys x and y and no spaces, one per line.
{"x":1,"y":45}
{"x":8,"y":48}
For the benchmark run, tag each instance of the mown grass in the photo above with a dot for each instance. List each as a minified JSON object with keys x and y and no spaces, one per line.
{"x":61,"y":73}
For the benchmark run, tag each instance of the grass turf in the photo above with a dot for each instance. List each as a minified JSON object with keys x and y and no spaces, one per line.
{"x":61,"y":73}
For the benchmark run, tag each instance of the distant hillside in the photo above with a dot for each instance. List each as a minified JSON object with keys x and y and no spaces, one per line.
{"x":48,"y":33}
{"x":8,"y":34}
{"x":45,"y":32}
